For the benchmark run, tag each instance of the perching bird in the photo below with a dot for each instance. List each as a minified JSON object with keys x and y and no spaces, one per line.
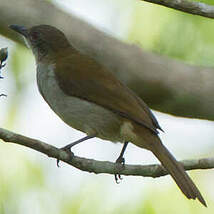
{"x":89,"y":98}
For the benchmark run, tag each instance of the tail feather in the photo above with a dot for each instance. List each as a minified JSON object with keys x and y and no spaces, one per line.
{"x":177,"y":171}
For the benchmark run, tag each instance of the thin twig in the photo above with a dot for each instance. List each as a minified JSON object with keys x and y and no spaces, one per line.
{"x":90,"y":165}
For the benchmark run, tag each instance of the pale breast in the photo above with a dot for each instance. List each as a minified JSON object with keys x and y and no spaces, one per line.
{"x":77,"y":113}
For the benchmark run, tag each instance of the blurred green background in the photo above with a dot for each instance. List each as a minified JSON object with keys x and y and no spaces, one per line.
{"x":31,"y":183}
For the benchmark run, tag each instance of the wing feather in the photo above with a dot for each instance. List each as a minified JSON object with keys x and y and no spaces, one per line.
{"x":83,"y":77}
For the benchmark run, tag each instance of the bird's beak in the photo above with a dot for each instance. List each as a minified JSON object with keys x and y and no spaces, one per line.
{"x":20,"y":29}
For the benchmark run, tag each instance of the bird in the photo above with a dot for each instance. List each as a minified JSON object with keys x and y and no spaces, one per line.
{"x":88,"y":97}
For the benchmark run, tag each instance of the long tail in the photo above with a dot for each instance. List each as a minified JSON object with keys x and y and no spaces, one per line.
{"x":177,"y":171}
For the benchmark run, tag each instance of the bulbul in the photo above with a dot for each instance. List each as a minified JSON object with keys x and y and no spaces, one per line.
{"x":89,"y":98}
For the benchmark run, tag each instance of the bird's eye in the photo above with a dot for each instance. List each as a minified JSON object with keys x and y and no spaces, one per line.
{"x":34,"y":35}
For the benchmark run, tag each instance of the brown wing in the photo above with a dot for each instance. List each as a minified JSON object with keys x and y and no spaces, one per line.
{"x":82,"y":77}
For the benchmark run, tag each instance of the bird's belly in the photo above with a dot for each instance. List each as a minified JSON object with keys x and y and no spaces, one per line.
{"x":77,"y":113}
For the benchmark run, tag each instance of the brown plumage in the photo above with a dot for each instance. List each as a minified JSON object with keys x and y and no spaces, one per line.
{"x":90,"y":98}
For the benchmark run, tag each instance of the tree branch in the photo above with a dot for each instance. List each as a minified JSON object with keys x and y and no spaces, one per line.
{"x":192,"y":7}
{"x":165,"y":85}
{"x":90,"y":165}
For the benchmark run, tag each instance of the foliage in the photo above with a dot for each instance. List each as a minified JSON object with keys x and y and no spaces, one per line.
{"x":173,"y":33}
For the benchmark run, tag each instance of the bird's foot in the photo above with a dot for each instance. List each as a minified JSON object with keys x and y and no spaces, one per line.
{"x":68,"y":150}
{"x":120,"y":163}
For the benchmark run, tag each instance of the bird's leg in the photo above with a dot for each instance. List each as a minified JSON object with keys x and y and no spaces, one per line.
{"x":67,"y":148}
{"x":76,"y":142}
{"x":121,"y":161}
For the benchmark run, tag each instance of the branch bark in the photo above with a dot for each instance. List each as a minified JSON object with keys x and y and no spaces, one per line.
{"x":165,"y":85}
{"x":192,"y":7}
{"x":90,"y":165}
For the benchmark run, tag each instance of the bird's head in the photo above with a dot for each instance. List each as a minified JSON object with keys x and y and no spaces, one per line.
{"x":44,"y":40}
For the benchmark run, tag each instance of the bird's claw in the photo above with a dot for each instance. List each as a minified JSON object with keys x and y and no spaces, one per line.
{"x":68,"y":150}
{"x":117,"y":178}
{"x":120,"y":162}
